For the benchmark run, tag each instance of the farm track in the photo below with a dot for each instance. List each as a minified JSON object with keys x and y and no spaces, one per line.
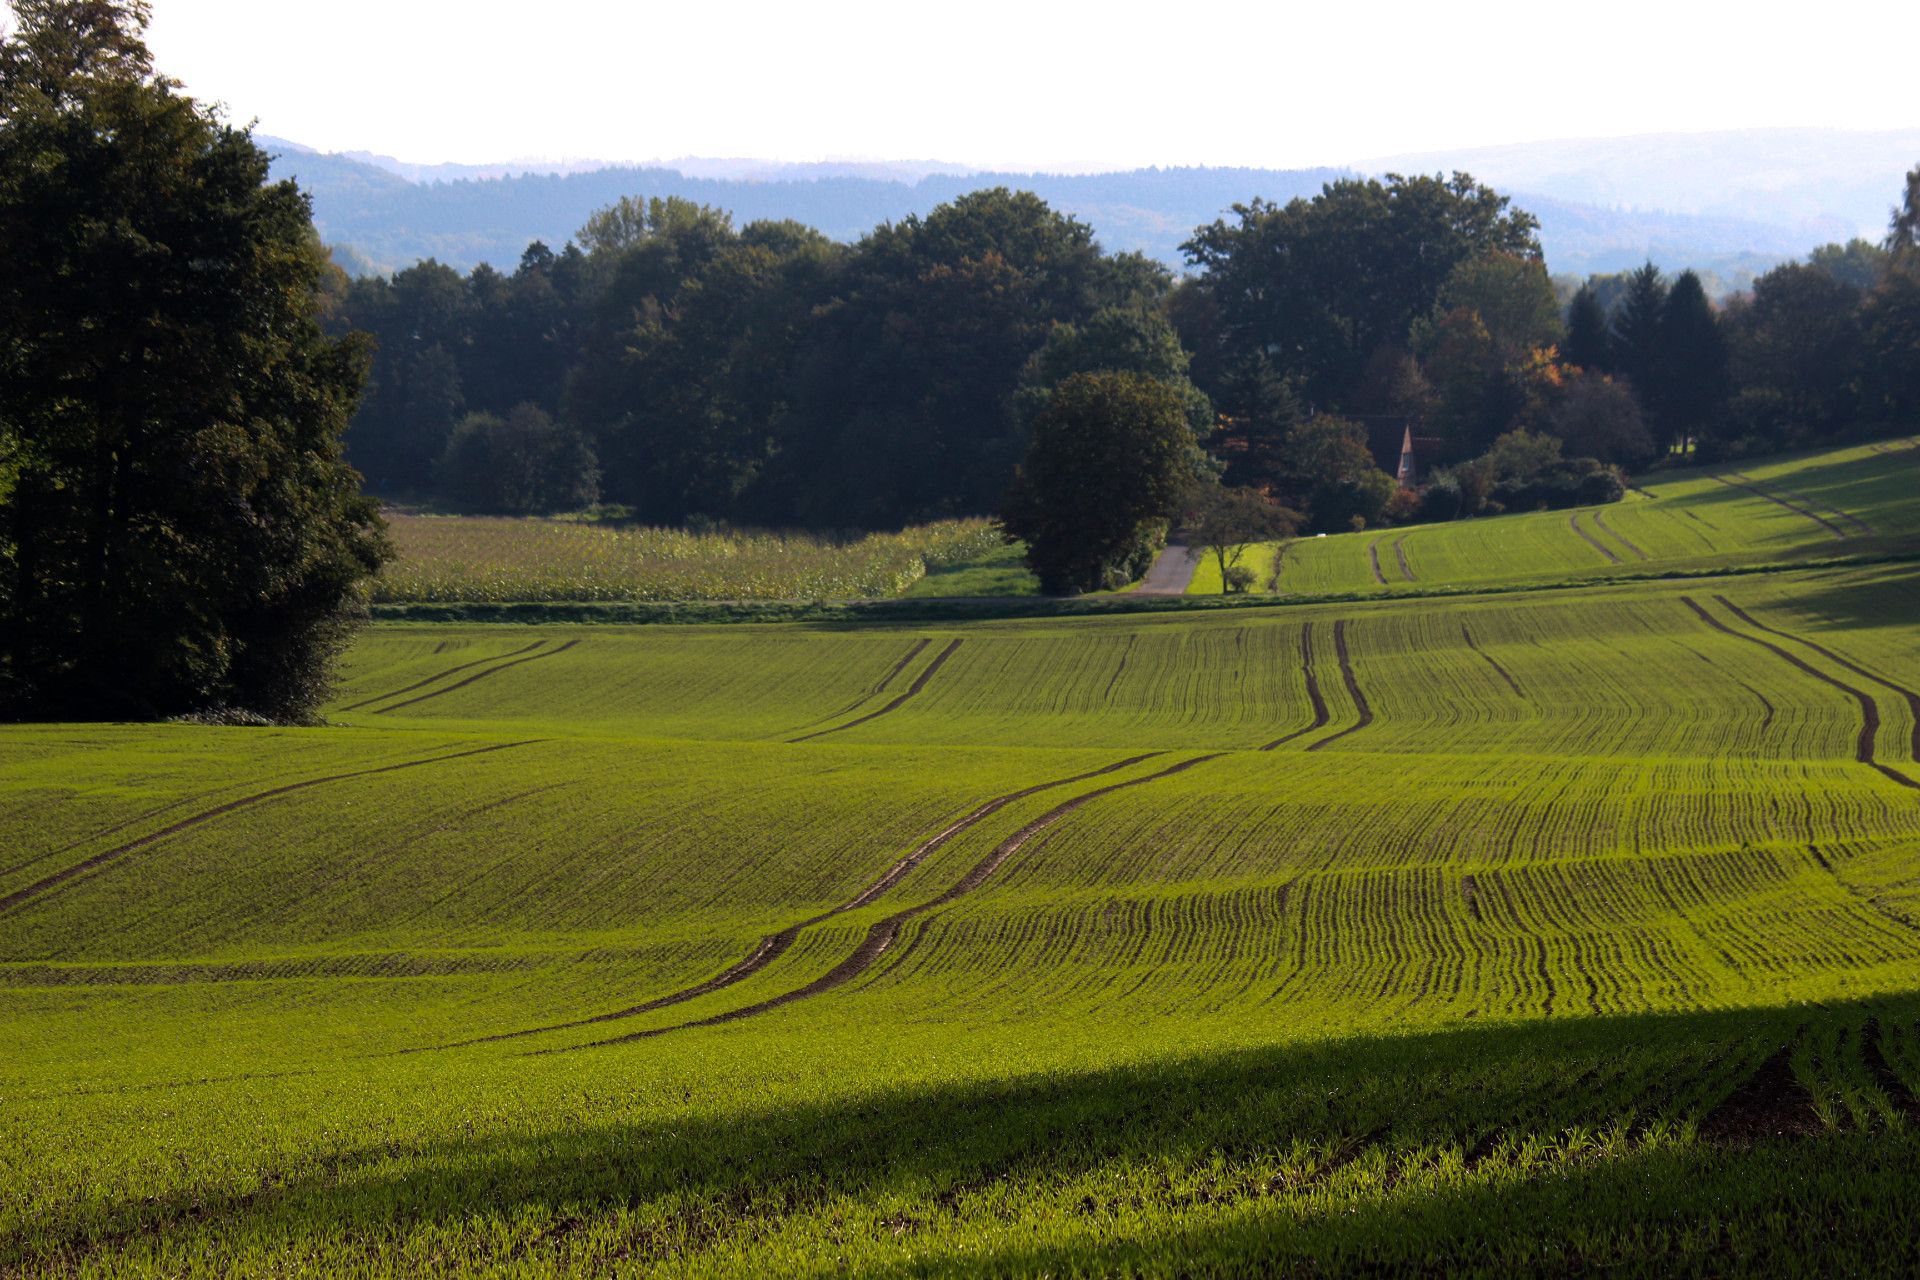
{"x":1314,"y":696}
{"x":880,"y":687}
{"x":1758,"y":492}
{"x":919,"y":683}
{"x":883,"y":933}
{"x":1488,"y":658}
{"x":1400,"y":554}
{"x":1600,"y":523}
{"x":442,"y":675}
{"x":1812,"y":503}
{"x":1884,"y":1076}
{"x":1869,"y":709}
{"x":1573,"y":523}
{"x":1353,"y":689}
{"x":41,"y":887}
{"x":1373,"y":560}
{"x":475,"y":678}
{"x":1770,"y":1103}
{"x":771,"y":947}
{"x":1912,"y":697}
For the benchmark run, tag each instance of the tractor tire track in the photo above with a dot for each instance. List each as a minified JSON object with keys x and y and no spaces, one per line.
{"x":1573,"y":523}
{"x":884,"y":933}
{"x":1811,"y":503}
{"x":1757,"y":492}
{"x":1506,"y":675}
{"x":475,"y":677}
{"x":450,"y":671}
{"x":1869,"y":709}
{"x":1353,"y":689}
{"x":919,"y":683}
{"x":41,"y":887}
{"x":1898,"y":1094}
{"x":1599,"y":522}
{"x":1314,"y":696}
{"x":1912,"y":697}
{"x":880,"y":687}
{"x":771,"y":947}
{"x":1400,"y":554}
{"x":1771,"y":1103}
{"x":1373,"y":559}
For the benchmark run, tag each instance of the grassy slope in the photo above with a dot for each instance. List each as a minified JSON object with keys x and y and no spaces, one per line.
{"x":1464,"y":987}
{"x":1680,"y":521}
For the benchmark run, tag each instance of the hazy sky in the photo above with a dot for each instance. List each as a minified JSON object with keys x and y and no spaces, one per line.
{"x":1028,"y":84}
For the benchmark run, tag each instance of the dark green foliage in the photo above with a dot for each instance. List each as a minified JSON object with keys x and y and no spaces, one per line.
{"x":1858,"y":262}
{"x":1332,"y":472}
{"x":1443,"y":499}
{"x":1524,"y":471}
{"x":1588,"y":341}
{"x":1322,"y":283}
{"x":1799,"y":338}
{"x":181,"y":531}
{"x":1599,"y":418}
{"x":1692,"y":380}
{"x":1903,"y":236}
{"x":1108,"y":459}
{"x":521,"y":464}
{"x":1890,"y":333}
{"x":1636,"y":335}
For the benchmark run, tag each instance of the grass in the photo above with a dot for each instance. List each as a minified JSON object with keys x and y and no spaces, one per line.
{"x":1568,"y":928}
{"x":1843,"y":502}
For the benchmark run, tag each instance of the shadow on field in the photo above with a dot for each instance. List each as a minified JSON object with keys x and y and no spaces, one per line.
{"x":1422,"y":1150}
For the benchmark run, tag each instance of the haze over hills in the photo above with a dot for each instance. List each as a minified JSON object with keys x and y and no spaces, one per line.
{"x":1732,"y":204}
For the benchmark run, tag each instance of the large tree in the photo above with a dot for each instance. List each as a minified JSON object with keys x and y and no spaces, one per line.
{"x":181,"y":532}
{"x":1587,"y":344}
{"x":1319,"y":285}
{"x":1109,"y":460}
{"x":1691,"y":379}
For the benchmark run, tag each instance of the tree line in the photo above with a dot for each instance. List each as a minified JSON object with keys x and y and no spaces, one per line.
{"x":671,"y":362}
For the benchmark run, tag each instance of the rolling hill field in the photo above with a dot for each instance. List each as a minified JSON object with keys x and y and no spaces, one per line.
{"x":1565,"y":928}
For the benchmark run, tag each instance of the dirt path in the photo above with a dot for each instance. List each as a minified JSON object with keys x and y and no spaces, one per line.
{"x":1600,"y":523}
{"x":1373,"y":562}
{"x":1400,"y":554}
{"x":1810,"y":504}
{"x":1912,"y":697}
{"x":919,"y":683}
{"x":39,"y":888}
{"x":450,"y":671}
{"x":1512,"y":684}
{"x":1353,"y":689}
{"x":1770,"y":1103}
{"x":1171,"y":574}
{"x":1573,"y":523}
{"x":878,"y":688}
{"x":475,"y":678}
{"x":883,"y":934}
{"x":1314,"y":696}
{"x":771,"y":947}
{"x":1782,"y":503}
{"x":1869,"y":709}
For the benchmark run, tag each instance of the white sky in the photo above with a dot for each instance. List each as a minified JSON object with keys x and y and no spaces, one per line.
{"x":1030,"y":84}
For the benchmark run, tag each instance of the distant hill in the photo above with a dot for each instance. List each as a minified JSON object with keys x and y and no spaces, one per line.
{"x":1828,"y":184}
{"x":1731,"y":204}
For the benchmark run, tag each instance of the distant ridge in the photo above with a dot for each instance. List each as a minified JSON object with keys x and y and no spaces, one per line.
{"x":1732,"y":204}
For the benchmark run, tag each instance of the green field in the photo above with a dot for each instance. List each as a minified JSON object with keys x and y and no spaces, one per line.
{"x":1838,"y":503}
{"x":1537,"y":931}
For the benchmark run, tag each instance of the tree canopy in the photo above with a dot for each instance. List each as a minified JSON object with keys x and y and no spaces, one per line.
{"x":181,"y":532}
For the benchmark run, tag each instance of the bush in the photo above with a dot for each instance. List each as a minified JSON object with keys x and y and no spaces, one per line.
{"x":1443,"y":499}
{"x":1403,"y":506}
{"x":1599,"y":418}
{"x":523,"y":464}
{"x":1597,"y":488}
{"x":1239,"y":578}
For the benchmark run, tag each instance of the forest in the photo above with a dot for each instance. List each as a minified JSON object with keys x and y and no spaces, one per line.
{"x":670,"y":363}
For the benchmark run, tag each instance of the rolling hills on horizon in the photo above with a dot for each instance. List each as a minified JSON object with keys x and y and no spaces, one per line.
{"x":1730,"y":204}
